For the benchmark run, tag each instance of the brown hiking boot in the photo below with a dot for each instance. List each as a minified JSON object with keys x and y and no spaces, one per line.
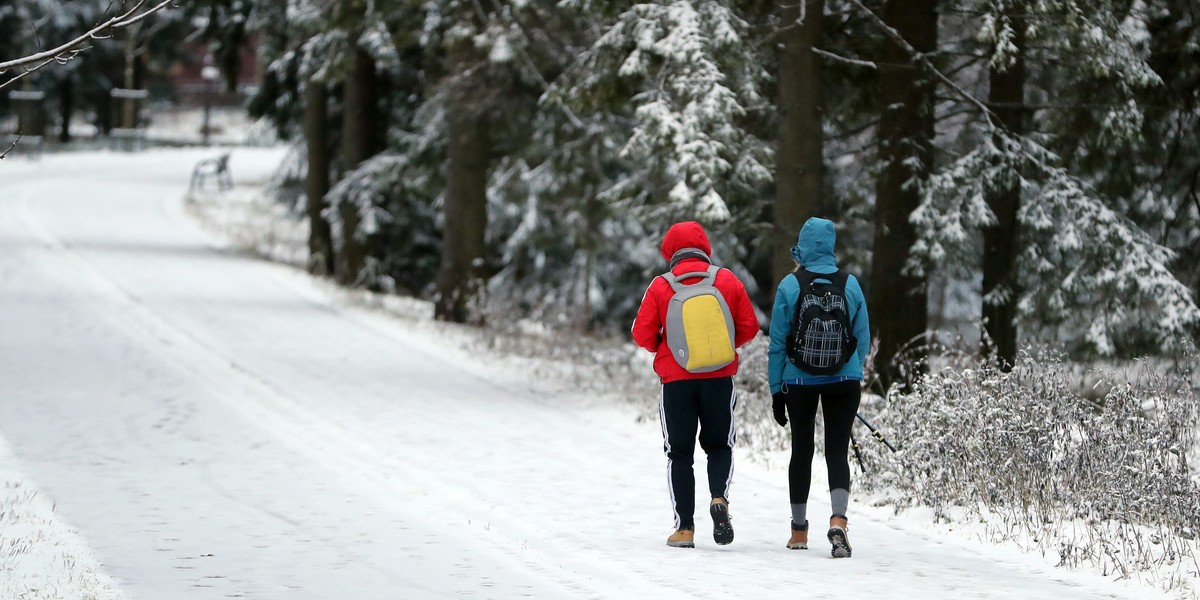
{"x":718,"y":509}
{"x":799,"y":539}
{"x":682,"y":538}
{"x":837,"y":536}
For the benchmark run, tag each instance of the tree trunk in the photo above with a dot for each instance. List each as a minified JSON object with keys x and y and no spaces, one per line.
{"x":1006,"y":96}
{"x":465,"y":207}
{"x":66,"y":109}
{"x":363,"y":130}
{"x":799,"y":173}
{"x":316,"y":182}
{"x":898,"y":305}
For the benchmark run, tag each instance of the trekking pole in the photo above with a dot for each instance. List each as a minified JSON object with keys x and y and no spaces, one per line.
{"x":858,"y":455}
{"x":875,"y":433}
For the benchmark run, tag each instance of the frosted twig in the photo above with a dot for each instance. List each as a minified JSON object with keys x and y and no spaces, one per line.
{"x":10,"y":147}
{"x":70,"y":49}
{"x":845,"y":59}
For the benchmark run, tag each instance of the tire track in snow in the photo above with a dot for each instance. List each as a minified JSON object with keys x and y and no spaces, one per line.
{"x":328,"y":442}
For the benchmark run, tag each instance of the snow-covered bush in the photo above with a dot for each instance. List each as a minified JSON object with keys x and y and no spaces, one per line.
{"x":756,"y":427}
{"x":1103,"y":481}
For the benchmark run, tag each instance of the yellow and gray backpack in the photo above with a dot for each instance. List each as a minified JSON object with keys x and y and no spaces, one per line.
{"x":699,"y":325}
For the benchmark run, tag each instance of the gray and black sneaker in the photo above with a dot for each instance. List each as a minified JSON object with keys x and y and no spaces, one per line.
{"x":722,"y":528}
{"x":837,"y":537}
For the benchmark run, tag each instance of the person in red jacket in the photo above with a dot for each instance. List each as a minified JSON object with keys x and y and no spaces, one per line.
{"x":691,"y":399}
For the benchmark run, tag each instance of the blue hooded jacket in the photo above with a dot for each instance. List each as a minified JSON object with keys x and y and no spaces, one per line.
{"x":814,"y":253}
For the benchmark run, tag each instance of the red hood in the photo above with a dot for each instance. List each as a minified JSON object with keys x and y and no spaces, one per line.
{"x":685,"y":235}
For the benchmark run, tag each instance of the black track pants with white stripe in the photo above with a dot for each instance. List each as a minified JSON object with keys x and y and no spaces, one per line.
{"x":706,"y":405}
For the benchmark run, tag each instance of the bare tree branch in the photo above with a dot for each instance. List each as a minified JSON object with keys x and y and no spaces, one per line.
{"x":844,"y":59}
{"x":928,"y":64}
{"x":10,"y":147}
{"x":71,"y":49}
{"x":60,"y":59}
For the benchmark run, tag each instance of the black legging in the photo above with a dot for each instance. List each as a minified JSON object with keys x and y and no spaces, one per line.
{"x":839,"y":403}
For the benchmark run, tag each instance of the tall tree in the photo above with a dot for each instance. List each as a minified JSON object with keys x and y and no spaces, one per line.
{"x":1001,"y":245}
{"x":672,"y":101}
{"x":800,"y":161}
{"x":363,"y":136}
{"x":391,"y":195}
{"x":899,"y":297}
{"x":468,"y":157}
{"x":298,"y":52}
{"x":321,"y":259}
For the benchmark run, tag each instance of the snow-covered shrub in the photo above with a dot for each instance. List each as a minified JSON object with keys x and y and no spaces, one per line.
{"x":1105,"y":482}
{"x":756,"y":426}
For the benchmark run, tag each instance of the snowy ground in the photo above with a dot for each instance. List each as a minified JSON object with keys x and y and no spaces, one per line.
{"x":180,"y":420}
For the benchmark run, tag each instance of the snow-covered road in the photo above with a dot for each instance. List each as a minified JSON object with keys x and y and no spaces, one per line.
{"x":217,"y":426}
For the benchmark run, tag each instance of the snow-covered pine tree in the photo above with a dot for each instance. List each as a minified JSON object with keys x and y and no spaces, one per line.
{"x":1079,"y":265}
{"x":666,"y":97}
{"x":1156,"y":182}
{"x":484,"y":95}
{"x":565,"y":256}
{"x":392,"y":193}
{"x":905,"y":136}
{"x":370,"y":53}
{"x":364,"y":126}
{"x":299,"y":54}
{"x":690,"y":77}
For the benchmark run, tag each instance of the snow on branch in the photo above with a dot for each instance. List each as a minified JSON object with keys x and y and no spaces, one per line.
{"x":366,"y":188}
{"x":1081,"y":262}
{"x":1096,"y":475}
{"x":845,"y":59}
{"x":686,"y":62}
{"x":69,"y":50}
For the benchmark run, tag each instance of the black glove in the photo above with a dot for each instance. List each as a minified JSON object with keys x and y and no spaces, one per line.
{"x":779,"y":406}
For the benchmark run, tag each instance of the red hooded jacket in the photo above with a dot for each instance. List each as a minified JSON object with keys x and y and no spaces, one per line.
{"x":648,"y":326}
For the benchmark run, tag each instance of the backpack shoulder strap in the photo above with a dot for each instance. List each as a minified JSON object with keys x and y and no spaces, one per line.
{"x":799,"y":296}
{"x":839,"y":279}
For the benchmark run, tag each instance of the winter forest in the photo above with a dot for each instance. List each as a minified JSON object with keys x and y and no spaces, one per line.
{"x":1024,"y":170}
{"x":1016,"y":183}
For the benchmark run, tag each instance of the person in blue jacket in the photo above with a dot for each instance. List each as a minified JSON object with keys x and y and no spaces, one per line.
{"x":797,"y":393}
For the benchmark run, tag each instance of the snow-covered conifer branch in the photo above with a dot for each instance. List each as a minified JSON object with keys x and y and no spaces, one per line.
{"x":685,"y":61}
{"x":1079,"y":255}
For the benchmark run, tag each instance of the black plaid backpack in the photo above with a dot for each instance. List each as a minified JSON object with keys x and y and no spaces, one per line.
{"x":821,"y":340}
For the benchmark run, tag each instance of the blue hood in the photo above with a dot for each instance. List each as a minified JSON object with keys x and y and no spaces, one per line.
{"x":814,"y":246}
